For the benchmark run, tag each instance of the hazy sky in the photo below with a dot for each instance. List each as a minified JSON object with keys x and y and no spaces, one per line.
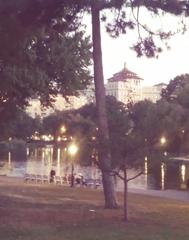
{"x":170,"y":63}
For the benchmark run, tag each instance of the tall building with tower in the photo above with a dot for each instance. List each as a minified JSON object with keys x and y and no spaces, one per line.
{"x":125,"y":86}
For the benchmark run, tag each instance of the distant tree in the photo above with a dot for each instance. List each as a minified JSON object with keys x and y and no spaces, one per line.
{"x":83,"y":131}
{"x":22,"y":126}
{"x":154,"y":121}
{"x":161,"y":119}
{"x":177,"y":91}
{"x":78,"y":128}
{"x":53,"y":122}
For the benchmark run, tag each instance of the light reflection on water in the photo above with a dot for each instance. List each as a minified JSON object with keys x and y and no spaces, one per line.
{"x":183,"y":172}
{"x":40,"y":161}
{"x":12,"y":168}
{"x":162,"y":176}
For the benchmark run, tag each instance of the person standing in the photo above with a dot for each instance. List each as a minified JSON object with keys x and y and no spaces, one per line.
{"x":52,"y":175}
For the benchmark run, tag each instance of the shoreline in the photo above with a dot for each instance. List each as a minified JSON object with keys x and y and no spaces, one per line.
{"x":11,"y":179}
{"x":168,"y":193}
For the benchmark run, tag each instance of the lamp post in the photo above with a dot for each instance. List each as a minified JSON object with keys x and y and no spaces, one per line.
{"x":72,"y":150}
{"x":163,"y":141}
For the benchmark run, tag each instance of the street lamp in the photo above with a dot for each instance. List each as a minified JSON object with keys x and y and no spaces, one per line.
{"x":63,"y":129}
{"x":72,"y":150}
{"x":60,"y":133}
{"x":163,"y":140}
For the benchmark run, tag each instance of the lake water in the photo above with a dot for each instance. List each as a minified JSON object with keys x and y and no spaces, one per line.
{"x":40,"y":161}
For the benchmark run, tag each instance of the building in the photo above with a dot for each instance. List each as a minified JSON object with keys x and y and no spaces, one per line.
{"x":125,"y":86}
{"x":73,"y":102}
{"x":152,"y":93}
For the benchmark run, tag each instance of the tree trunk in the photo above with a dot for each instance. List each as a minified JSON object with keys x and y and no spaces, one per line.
{"x":125,"y":201}
{"x":104,"y":152}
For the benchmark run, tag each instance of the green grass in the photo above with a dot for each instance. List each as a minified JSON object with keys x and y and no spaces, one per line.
{"x":48,"y":212}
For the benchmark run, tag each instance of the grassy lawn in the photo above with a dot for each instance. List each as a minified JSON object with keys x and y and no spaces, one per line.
{"x":48,"y":212}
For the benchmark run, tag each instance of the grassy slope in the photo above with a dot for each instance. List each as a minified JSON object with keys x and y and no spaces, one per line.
{"x":48,"y":212}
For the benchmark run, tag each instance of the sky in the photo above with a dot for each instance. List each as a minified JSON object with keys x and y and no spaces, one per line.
{"x":169,"y":64}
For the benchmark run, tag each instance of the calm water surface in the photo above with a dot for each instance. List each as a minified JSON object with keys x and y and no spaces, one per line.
{"x":41,"y":161}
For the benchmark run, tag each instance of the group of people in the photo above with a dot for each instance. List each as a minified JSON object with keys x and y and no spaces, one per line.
{"x":78,"y":179}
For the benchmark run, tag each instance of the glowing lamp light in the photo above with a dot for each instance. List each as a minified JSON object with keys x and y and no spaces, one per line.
{"x":72,"y":149}
{"x":163,"y":140}
{"x":63,"y":129}
{"x":58,"y":139}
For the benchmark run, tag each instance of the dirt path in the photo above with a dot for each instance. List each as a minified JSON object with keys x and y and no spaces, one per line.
{"x":171,"y":194}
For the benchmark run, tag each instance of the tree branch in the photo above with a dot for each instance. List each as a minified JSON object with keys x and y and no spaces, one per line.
{"x":116,"y":173}
{"x":175,"y":7}
{"x":137,"y":175}
{"x":110,"y":4}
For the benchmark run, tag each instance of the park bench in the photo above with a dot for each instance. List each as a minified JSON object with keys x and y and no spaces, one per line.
{"x":36,"y":178}
{"x":65,"y":180}
{"x":58,"y":180}
{"x":33,"y":177}
{"x":39,"y":178}
{"x":45,"y":178}
{"x":92,"y":182}
{"x":27,"y":177}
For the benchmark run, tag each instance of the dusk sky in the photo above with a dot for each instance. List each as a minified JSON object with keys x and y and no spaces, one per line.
{"x":170,"y":63}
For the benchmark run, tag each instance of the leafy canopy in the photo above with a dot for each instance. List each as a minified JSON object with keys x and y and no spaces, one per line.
{"x":177,"y":91}
{"x":40,"y":56}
